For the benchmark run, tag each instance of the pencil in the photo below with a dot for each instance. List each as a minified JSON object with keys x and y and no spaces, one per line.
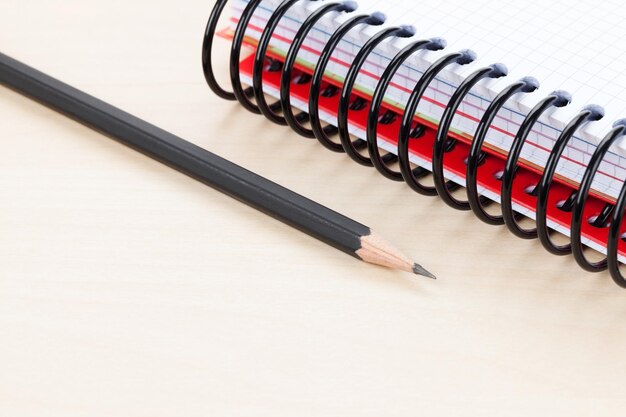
{"x":279,"y":202}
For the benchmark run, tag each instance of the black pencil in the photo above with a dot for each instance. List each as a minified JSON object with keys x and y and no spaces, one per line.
{"x":310,"y":217}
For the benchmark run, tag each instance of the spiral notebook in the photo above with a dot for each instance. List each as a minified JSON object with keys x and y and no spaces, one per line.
{"x":567,"y":61}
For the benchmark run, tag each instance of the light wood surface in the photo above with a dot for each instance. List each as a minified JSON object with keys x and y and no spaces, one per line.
{"x":125,"y":290}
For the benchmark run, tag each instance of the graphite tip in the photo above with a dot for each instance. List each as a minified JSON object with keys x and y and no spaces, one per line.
{"x":419,"y":270}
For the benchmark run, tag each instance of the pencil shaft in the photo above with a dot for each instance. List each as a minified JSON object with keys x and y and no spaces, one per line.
{"x":227,"y":177}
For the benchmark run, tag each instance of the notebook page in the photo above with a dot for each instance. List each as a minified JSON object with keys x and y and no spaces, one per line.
{"x":569,"y":45}
{"x":494,"y":41}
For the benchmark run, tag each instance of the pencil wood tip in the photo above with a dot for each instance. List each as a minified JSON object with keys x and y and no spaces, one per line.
{"x":376,"y":250}
{"x":420,"y":270}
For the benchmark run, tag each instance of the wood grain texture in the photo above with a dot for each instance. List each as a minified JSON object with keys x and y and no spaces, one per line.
{"x":123,"y":289}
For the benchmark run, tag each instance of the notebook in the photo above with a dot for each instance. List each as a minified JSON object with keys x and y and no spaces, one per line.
{"x":568,"y":50}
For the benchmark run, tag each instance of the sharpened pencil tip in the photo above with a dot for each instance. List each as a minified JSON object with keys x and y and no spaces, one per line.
{"x":419,"y":270}
{"x":376,"y":250}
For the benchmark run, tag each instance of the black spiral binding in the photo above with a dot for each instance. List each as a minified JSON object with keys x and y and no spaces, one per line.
{"x":380,"y":163}
{"x":614,"y":231}
{"x":581,"y":198}
{"x":375,"y":19}
{"x":290,"y":61}
{"x":259,"y":64}
{"x":443,"y":142}
{"x":556,"y":99}
{"x":348,"y":85}
{"x":476,"y":154}
{"x":588,"y":114}
{"x":611,"y":216}
{"x":235,"y":56}
{"x":407,"y":132}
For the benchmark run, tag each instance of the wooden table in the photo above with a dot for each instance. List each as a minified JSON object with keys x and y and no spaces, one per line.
{"x":125,"y":289}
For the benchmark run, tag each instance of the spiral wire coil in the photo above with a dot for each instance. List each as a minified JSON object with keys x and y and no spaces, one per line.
{"x":367,"y":152}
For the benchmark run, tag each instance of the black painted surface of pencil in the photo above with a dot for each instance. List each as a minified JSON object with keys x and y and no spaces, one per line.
{"x":296,"y":210}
